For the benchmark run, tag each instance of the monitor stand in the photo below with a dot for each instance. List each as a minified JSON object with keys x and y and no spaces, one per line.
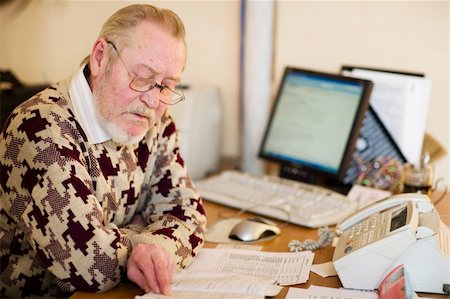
{"x":297,"y":173}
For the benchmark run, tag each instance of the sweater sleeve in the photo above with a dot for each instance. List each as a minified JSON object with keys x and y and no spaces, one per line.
{"x":173,"y":208}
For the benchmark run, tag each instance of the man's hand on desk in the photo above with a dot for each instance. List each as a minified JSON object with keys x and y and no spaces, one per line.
{"x":151,"y":268}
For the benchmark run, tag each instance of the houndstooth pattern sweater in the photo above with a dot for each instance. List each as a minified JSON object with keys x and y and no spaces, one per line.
{"x":66,"y":204}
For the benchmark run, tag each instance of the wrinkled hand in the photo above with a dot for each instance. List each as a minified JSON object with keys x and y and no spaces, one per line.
{"x":151,"y":268}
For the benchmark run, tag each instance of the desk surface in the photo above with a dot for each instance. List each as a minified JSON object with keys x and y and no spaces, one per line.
{"x":129,"y":290}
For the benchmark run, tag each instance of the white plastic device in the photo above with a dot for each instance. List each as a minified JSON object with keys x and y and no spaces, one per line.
{"x":403,"y":229}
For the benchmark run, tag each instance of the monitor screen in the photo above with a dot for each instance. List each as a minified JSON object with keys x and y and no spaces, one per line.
{"x":315,"y":121}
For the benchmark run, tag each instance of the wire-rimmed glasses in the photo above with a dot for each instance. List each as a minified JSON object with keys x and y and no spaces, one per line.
{"x":167,"y":95}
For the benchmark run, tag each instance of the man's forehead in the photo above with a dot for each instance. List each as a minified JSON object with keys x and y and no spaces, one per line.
{"x":153,"y":48}
{"x":148,"y":64}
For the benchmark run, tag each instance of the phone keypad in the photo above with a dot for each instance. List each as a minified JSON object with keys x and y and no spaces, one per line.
{"x":367,"y":231}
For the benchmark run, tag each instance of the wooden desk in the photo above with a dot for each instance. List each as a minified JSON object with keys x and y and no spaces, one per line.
{"x":129,"y":290}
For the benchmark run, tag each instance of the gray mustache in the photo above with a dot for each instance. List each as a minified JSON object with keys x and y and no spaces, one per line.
{"x":143,"y":111}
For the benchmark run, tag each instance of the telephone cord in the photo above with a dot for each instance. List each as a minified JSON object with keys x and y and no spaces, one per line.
{"x":326,"y":236}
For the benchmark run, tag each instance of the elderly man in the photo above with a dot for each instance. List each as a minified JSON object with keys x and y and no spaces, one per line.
{"x":93,"y":186}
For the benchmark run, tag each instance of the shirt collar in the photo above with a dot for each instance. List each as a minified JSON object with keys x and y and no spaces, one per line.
{"x":84,"y":106}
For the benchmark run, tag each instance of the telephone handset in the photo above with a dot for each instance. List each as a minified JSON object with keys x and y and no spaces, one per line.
{"x":423,"y":202}
{"x":403,"y":229}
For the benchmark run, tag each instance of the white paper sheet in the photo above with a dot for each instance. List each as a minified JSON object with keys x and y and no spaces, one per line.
{"x":239,"y":246}
{"x":316,"y":292}
{"x":365,"y":195}
{"x":324,"y":269}
{"x":287,"y":268}
{"x":224,"y":283}
{"x":200,"y":295}
{"x":444,"y":239}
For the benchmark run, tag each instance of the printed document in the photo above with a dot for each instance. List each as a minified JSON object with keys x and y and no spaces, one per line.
{"x":199,"y":295}
{"x":238,"y":273}
{"x":197,"y":285}
{"x":316,"y":292}
{"x":287,"y":268}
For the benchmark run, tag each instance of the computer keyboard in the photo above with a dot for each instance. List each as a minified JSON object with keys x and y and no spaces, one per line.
{"x":299,"y":203}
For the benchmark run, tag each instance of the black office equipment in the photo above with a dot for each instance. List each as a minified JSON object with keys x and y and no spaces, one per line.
{"x":314,"y":125}
{"x":13,"y":93}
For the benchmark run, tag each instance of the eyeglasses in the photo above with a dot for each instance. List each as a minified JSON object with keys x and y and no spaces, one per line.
{"x":167,"y":95}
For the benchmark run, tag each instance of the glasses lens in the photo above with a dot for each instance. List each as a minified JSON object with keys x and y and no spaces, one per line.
{"x":167,"y":95}
{"x":171,"y":97}
{"x":142,"y":84}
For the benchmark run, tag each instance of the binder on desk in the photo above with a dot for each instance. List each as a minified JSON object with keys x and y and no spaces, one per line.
{"x":400,"y":99}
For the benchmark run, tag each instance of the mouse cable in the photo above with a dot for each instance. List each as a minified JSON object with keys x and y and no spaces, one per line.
{"x":326,"y":236}
{"x":249,"y":209}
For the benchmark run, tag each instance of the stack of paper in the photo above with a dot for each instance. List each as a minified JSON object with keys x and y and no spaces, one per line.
{"x":238,"y":273}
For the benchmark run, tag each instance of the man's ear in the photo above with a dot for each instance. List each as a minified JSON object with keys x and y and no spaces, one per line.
{"x":98,"y":55}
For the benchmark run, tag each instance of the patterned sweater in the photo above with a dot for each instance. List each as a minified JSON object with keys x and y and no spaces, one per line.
{"x":66,"y":204}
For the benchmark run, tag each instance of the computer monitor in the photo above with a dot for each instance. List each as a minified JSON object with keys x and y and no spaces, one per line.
{"x":314,"y":124}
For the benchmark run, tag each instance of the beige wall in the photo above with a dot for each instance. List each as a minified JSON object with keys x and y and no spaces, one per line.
{"x":399,"y":35}
{"x":45,"y":41}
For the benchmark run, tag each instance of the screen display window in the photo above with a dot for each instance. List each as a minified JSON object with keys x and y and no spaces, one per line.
{"x":398,"y":219}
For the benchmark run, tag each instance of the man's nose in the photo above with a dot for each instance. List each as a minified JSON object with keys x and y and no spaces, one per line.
{"x":151,"y":98}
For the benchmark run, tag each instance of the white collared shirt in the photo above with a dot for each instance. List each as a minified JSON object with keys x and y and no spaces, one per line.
{"x":84,"y":106}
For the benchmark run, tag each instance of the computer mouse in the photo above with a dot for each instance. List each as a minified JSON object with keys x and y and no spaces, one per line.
{"x":253,"y":229}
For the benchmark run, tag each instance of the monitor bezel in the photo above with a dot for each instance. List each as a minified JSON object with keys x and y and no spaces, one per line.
{"x":351,"y":141}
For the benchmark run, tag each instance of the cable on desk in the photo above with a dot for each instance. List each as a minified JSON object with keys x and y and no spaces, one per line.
{"x":249,"y":209}
{"x":326,"y":236}
{"x":444,"y":193}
